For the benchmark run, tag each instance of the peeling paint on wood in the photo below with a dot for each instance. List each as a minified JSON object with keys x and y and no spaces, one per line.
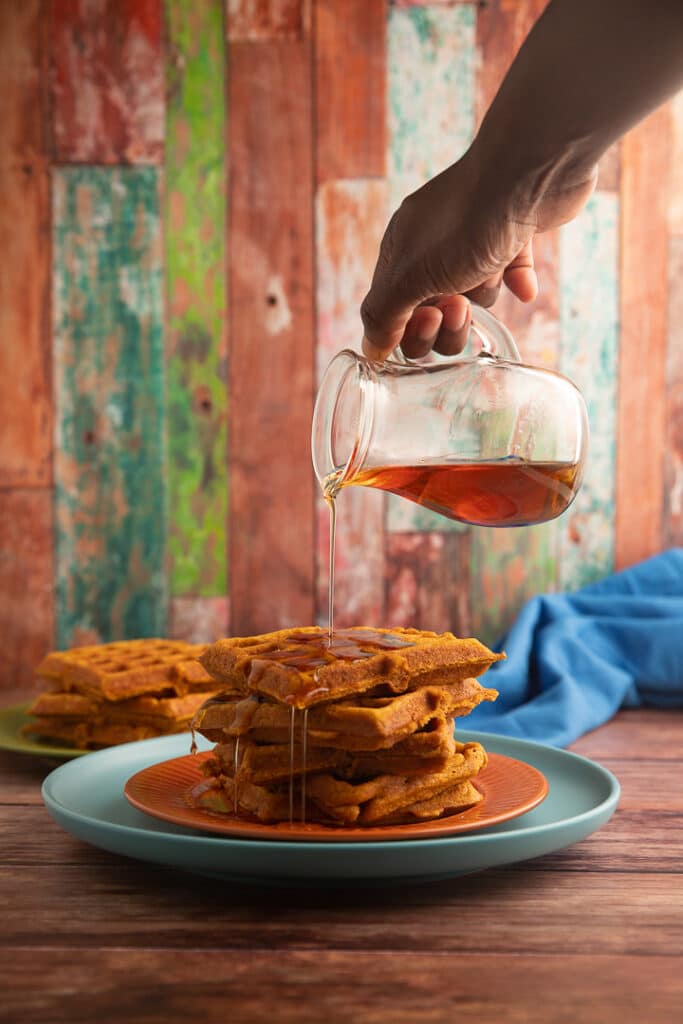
{"x":350,"y":47}
{"x":26,"y":575}
{"x":272,"y":369}
{"x":673,"y":447}
{"x":350,"y":220}
{"x":199,"y":620}
{"x":642,"y":346}
{"x":502,"y":27}
{"x":110,"y":503}
{"x":108,"y":81}
{"x":268,"y":19}
{"x":195,"y":225}
{"x":609,"y":169}
{"x":427,"y":582}
{"x":25,"y":363}
{"x":676,"y":166}
{"x":589,"y":297}
{"x":509,"y":566}
{"x":431,"y":80}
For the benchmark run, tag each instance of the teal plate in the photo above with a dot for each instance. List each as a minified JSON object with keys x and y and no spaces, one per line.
{"x":86,"y":798}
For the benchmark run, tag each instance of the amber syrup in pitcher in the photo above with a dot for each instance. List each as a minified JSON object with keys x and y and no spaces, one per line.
{"x":503,"y":492}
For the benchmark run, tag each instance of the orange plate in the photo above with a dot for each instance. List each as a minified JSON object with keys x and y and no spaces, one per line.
{"x":509,"y":788}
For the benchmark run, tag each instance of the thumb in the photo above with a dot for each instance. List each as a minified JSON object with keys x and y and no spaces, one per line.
{"x":382,"y":333}
{"x":386,"y":309}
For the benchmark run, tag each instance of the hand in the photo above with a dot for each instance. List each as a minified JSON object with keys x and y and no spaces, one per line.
{"x":459,"y":238}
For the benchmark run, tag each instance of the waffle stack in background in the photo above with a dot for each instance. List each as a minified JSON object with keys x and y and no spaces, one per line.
{"x":359,"y":731}
{"x":114,"y":693}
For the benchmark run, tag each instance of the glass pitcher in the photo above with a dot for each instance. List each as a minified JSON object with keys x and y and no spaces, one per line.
{"x":479,"y":437}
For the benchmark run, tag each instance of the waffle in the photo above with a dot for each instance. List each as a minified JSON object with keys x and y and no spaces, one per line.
{"x":114,"y":693}
{"x":264,"y":763}
{"x":95,"y":735}
{"x":383,"y":799}
{"x":370,"y":721}
{"x":128,"y":668}
{"x":376,"y":799}
{"x":301,"y":667}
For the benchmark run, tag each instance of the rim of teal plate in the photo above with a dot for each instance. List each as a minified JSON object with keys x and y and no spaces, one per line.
{"x":607,"y":805}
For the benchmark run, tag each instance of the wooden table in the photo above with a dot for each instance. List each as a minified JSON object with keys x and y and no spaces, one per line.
{"x":589,"y":934}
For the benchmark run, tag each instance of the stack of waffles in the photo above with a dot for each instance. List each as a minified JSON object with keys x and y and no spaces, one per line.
{"x":114,"y":693}
{"x":357,"y":729}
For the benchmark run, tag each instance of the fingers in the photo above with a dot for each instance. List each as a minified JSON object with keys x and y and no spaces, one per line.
{"x":455,"y":326}
{"x":520,"y":275}
{"x":441,"y":323}
{"x":422,"y":331}
{"x":486,"y":293}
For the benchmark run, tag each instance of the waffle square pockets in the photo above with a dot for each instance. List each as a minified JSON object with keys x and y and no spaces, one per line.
{"x":105,"y":694}
{"x":353,"y":729}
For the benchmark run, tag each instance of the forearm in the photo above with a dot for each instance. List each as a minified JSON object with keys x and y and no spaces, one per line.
{"x":589,"y":71}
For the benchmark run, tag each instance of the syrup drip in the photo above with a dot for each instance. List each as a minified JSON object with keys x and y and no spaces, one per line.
{"x":292,"y":713}
{"x":235,"y":769}
{"x":329,"y":495}
{"x":304,"y":741}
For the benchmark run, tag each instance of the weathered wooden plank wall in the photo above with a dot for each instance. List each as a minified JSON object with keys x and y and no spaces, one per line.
{"x":508,"y":566}
{"x":271,"y":289}
{"x":26,"y":571}
{"x":108,"y":80}
{"x":431,"y":116}
{"x":351,"y":213}
{"x":197,"y":300}
{"x":110,"y":486}
{"x":195,"y":227}
{"x":645,"y":191}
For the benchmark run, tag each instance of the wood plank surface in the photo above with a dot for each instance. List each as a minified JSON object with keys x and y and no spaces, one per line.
{"x":431,"y":96}
{"x":589,"y":313}
{"x":426,"y":581}
{"x":25,"y":364}
{"x":643,"y":339}
{"x":350,"y":220}
{"x":26,"y":575}
{"x":303,"y":986}
{"x":199,"y":619}
{"x":268,"y":19}
{"x":507,"y":568}
{"x":272,"y":374}
{"x":108,"y":81}
{"x":672,"y":525}
{"x":119,"y":906}
{"x":350,"y":47}
{"x":675,"y":167}
{"x":431,"y":119}
{"x":590,"y":932}
{"x":195,"y":262}
{"x":109,"y":463}
{"x":510,"y":566}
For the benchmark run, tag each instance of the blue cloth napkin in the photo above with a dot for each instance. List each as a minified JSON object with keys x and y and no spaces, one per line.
{"x":574,"y":659}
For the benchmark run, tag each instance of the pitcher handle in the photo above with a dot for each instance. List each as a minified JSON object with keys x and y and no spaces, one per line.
{"x":493,"y":336}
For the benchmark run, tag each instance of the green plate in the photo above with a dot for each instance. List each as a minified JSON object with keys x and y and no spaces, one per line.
{"x":11,"y":722}
{"x":87,"y":800}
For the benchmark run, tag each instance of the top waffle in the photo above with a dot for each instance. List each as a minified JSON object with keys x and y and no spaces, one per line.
{"x":301,"y":667}
{"x":128,"y":668}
